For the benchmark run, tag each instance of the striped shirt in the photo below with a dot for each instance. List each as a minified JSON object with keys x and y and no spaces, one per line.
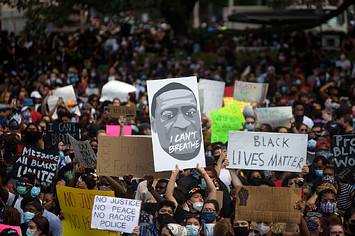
{"x":344,"y":196}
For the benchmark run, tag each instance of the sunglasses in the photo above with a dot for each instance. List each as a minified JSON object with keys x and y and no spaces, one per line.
{"x":330,"y":200}
{"x":317,"y":214}
{"x":23,"y":184}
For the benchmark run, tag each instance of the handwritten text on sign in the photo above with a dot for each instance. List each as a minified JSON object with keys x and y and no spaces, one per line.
{"x":43,"y":163}
{"x":245,"y":91}
{"x":275,"y":116}
{"x":57,"y":132}
{"x":83,"y":152}
{"x":267,"y":151}
{"x":115,"y":214}
{"x":76,"y":205}
{"x":126,"y":111}
{"x":344,"y":156}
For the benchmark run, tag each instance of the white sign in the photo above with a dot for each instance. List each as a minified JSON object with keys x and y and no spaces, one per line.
{"x":212,"y":95}
{"x":115,"y":214}
{"x":175,"y":123}
{"x":275,"y":116}
{"x":246,"y":91}
{"x":67,"y":93}
{"x":267,"y":151}
{"x":116,"y":89}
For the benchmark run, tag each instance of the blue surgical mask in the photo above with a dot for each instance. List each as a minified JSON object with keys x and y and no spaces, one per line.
{"x":319,"y":172}
{"x":27,"y":216}
{"x":21,"y":190}
{"x":328,"y":105}
{"x":192,"y":229}
{"x":61,"y":155}
{"x":209,"y":217}
{"x":35,"y":191}
{"x":203,"y":183}
{"x":311,"y":144}
{"x":249,"y":127}
{"x":30,"y":232}
{"x":298,"y":82}
{"x":323,"y":154}
{"x":145,"y":103}
{"x":73,"y":109}
{"x":208,"y":154}
{"x":26,"y":115}
{"x":283,"y":89}
{"x":72,"y":80}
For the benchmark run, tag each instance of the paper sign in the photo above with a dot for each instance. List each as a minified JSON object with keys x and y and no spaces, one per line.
{"x":126,"y":111}
{"x":83,"y":152}
{"x":344,"y":157}
{"x":176,"y":123}
{"x":208,"y":229}
{"x":16,"y":228}
{"x":67,"y":93}
{"x":267,"y":151}
{"x":43,"y":163}
{"x":57,"y":132}
{"x":275,"y":116}
{"x":114,"y":130}
{"x":90,"y":91}
{"x":118,"y":156}
{"x":212,"y":95}
{"x":267,"y":204}
{"x":76,"y":205}
{"x":229,"y":101}
{"x":245,"y":91}
{"x":115,"y":214}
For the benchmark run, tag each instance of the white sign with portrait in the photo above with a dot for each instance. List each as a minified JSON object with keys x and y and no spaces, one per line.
{"x":175,"y":123}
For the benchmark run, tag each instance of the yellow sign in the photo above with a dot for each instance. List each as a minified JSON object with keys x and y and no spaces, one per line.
{"x":76,"y":205}
{"x":229,"y":101}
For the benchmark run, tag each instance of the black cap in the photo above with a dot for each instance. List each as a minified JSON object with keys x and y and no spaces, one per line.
{"x":9,"y":231}
{"x":210,"y":161}
{"x":193,"y":191}
{"x":332,"y":126}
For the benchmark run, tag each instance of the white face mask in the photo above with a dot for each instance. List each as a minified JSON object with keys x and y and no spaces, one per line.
{"x":263,"y":228}
{"x":197,"y":206}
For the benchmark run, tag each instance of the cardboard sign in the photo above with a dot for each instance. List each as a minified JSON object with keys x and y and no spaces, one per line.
{"x":43,"y":163}
{"x":212,"y":95}
{"x":115,"y":214}
{"x":83,"y":152}
{"x":67,"y":93}
{"x":16,"y":228}
{"x":268,"y":204}
{"x":344,"y":157}
{"x":275,"y":116}
{"x":267,"y":151}
{"x":126,"y":111}
{"x":176,"y":123}
{"x":226,"y":119}
{"x":57,"y":132}
{"x":245,"y":91}
{"x":76,"y":205}
{"x":118,"y":156}
{"x":114,"y":130}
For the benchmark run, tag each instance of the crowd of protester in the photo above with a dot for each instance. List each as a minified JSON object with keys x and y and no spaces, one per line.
{"x":319,"y":86}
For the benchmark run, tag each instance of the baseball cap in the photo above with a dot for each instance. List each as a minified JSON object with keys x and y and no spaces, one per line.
{"x":9,"y":231}
{"x":25,"y":108}
{"x":320,"y":143}
{"x":332,"y":126}
{"x":193,"y":191}
{"x":35,"y":94}
{"x":71,"y":104}
{"x":28,"y":102}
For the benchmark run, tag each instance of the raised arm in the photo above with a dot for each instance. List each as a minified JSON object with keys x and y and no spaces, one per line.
{"x":235,"y":179}
{"x":212,"y":192}
{"x":171,"y":185}
{"x":116,"y":186}
{"x":122,"y":121}
{"x":221,"y":158}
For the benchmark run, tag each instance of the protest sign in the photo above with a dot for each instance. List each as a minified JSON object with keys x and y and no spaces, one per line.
{"x":83,"y":152}
{"x":126,"y":111}
{"x":208,"y":229}
{"x":76,"y":205}
{"x":114,"y":130}
{"x":271,"y":204}
{"x":229,"y":101}
{"x":246,"y":91}
{"x":212,"y":93}
{"x":344,"y":157}
{"x":115,"y":214}
{"x":16,"y":228}
{"x":116,"y":89}
{"x":267,"y":151}
{"x":57,"y":132}
{"x":43,"y":163}
{"x":275,"y":116}
{"x":225,"y":119}
{"x":176,"y":123}
{"x":67,"y":94}
{"x":118,"y":156}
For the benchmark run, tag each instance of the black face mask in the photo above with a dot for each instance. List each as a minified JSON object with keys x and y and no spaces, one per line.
{"x":298,"y":119}
{"x":351,"y":227}
{"x":255,"y":181}
{"x":162,"y":217}
{"x":71,"y":155}
{"x":241,"y":231}
{"x":32,"y":136}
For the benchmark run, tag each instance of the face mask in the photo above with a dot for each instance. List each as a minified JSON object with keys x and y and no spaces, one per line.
{"x":203,"y":183}
{"x":322,"y":153}
{"x":351,"y":227}
{"x":319,"y":172}
{"x":283,"y":89}
{"x":73,"y":109}
{"x":26,"y":115}
{"x":328,"y":105}
{"x":263,"y":228}
{"x":328,"y":179}
{"x":197,"y":206}
{"x":72,"y":80}
{"x":209,"y":217}
{"x":61,"y":155}
{"x":241,"y":231}
{"x":328,"y":207}
{"x":21,"y":190}
{"x":32,"y":135}
{"x":162,"y":217}
{"x":35,"y":191}
{"x":192,"y":229}
{"x":30,"y":232}
{"x":311,"y":144}
{"x":298,"y":82}
{"x":73,"y":120}
{"x":342,"y":56}
{"x":255,"y":181}
{"x":27,"y":216}
{"x":312,"y":225}
{"x":298,"y":119}
{"x":145,"y":103}
{"x":249,"y":127}
{"x":71,"y":155}
{"x":208,"y":154}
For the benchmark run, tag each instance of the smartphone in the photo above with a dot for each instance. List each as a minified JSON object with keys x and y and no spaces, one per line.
{"x":106,"y":109}
{"x":60,"y":98}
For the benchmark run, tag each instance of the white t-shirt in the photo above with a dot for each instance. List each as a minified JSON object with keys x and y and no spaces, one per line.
{"x":17,"y":205}
{"x":225,"y":177}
